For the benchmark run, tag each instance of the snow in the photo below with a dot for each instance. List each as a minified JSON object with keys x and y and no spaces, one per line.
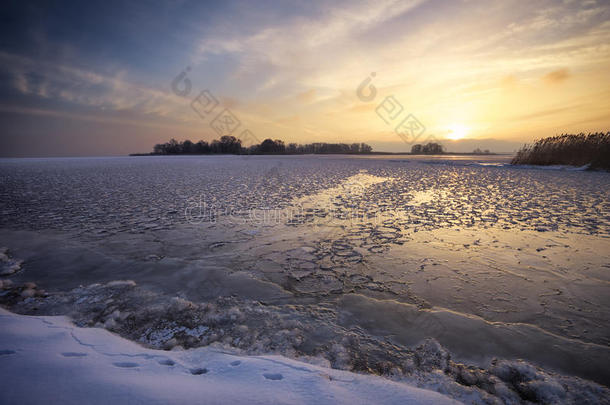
{"x":47,"y":359}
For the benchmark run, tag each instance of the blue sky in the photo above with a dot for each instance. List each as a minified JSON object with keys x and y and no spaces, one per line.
{"x":94,"y":78}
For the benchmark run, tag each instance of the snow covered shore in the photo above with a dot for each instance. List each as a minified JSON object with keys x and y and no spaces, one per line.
{"x":49,"y":360}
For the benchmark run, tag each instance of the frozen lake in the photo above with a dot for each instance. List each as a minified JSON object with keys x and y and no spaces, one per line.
{"x":362,"y":254}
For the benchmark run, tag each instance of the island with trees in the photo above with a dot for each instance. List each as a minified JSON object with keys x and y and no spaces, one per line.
{"x":431,"y":148}
{"x":232,"y":145}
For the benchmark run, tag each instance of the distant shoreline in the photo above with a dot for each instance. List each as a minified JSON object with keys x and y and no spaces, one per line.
{"x":230,"y":145}
{"x":328,"y":153}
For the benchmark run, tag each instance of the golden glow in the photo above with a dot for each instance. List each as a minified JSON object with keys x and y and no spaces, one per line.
{"x":457,"y":131}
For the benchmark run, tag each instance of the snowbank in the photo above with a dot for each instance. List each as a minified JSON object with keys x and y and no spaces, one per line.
{"x":49,"y":360}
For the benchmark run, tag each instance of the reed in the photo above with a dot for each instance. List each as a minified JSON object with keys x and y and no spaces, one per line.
{"x":591,"y":149}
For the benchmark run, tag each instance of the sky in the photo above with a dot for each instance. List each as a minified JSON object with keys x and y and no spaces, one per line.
{"x":111,"y":78}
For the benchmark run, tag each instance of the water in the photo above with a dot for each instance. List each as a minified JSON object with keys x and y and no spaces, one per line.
{"x":489,"y":259}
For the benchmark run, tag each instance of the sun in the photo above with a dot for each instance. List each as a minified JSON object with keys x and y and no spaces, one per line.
{"x":457,"y":131}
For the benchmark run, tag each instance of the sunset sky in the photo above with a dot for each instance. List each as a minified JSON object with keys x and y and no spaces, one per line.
{"x":88,"y":78}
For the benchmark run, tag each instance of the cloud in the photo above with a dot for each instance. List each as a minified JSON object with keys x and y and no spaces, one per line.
{"x":557,"y":76}
{"x":509,"y":81}
{"x":122,"y":119}
{"x":295,"y":52}
{"x":307,"y":97}
{"x":546,"y":112}
{"x":362,"y":108}
{"x":50,"y":80}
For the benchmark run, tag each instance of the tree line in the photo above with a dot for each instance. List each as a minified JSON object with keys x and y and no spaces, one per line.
{"x":431,"y":148}
{"x":232,"y":145}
